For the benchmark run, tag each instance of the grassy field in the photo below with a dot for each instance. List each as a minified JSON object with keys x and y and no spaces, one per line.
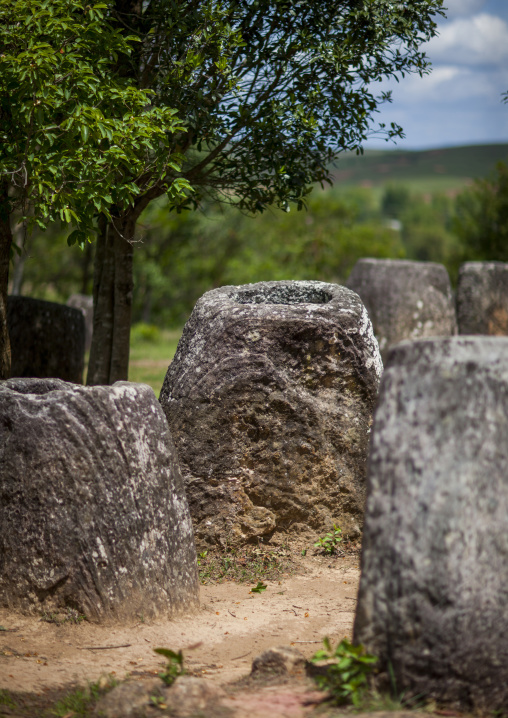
{"x":440,"y":170}
{"x":150,"y":355}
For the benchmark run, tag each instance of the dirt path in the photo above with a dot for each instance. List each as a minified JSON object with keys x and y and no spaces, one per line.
{"x":232,"y":627}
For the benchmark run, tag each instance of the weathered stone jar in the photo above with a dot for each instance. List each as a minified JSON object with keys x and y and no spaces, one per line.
{"x":433,"y":601}
{"x":482,"y":298}
{"x":47,"y":339}
{"x":269,"y":399}
{"x":93,"y":513}
{"x":404,"y":299}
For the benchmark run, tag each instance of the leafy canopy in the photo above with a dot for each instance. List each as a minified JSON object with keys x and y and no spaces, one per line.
{"x":76,"y":138}
{"x":272,"y":91}
{"x":481,"y":220}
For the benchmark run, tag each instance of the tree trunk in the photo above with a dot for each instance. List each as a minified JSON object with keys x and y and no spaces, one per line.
{"x":113,"y":284}
{"x":86,"y":267}
{"x":103,"y":308}
{"x":124,"y":284}
{"x":5,"y":249}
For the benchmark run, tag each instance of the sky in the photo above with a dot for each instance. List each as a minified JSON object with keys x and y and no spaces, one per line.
{"x":460,"y":101}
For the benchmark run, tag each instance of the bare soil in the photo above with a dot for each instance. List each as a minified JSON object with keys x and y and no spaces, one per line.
{"x":41,"y":662}
{"x":39,"y":658}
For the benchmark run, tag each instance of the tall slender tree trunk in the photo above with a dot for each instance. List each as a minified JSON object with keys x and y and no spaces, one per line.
{"x":103,"y":307}
{"x":113,"y":285}
{"x":5,"y":249}
{"x":86,"y":266}
{"x":124,"y":285}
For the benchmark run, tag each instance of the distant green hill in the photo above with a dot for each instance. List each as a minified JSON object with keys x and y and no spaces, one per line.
{"x":446,"y":170}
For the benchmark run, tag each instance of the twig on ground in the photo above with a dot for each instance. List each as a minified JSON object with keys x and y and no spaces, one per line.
{"x":103,"y":648}
{"x":242,"y":656}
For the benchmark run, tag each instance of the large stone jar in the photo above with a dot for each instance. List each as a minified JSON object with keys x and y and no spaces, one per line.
{"x":404,"y":299}
{"x":482,"y":298}
{"x":47,"y":339}
{"x":269,"y":399}
{"x":433,"y":600}
{"x":93,"y":513}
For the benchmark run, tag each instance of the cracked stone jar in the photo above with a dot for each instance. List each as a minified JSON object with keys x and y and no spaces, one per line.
{"x":433,"y":599}
{"x":269,"y":399}
{"x":93,"y":513}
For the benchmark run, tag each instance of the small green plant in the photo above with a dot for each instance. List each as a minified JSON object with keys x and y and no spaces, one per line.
{"x":345,"y":674}
{"x":174,"y":666}
{"x":259,"y":588}
{"x":330,"y":541}
{"x":158,"y":702}
{"x":202,"y":556}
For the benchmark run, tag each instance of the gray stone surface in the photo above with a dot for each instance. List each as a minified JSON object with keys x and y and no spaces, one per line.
{"x":188,"y":697}
{"x":93,"y":513}
{"x":132,"y":700}
{"x":433,"y":600}
{"x":47,"y":339}
{"x":482,"y":298}
{"x":404,"y":299}
{"x":269,"y":399}
{"x":84,"y":303}
{"x":282,"y":660}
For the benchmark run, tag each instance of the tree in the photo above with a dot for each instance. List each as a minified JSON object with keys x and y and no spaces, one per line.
{"x":481,"y":220}
{"x":72,"y":130}
{"x":271,"y":91}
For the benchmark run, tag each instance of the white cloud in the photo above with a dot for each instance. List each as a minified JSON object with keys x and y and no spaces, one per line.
{"x":481,"y":39}
{"x":462,"y":7}
{"x":449,"y":84}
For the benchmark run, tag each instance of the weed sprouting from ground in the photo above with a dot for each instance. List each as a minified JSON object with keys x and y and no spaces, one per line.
{"x":330,"y":542}
{"x":248,"y":564}
{"x":345,"y":671}
{"x":174,"y":666}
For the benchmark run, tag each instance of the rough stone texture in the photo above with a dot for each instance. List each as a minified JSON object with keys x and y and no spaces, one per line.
{"x":404,"y":299}
{"x":190,"y":696}
{"x":131,"y":700}
{"x":93,"y":512}
{"x":433,"y":598}
{"x":85,"y":304}
{"x":47,"y":339}
{"x":482,"y":298}
{"x":269,"y":399}
{"x":283,"y":660}
{"x":187,"y":697}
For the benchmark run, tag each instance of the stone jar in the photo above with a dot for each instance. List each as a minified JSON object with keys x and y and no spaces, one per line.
{"x":269,"y":399}
{"x":93,"y":513}
{"x":47,"y":339}
{"x":433,"y":600}
{"x":84,"y":303}
{"x":404,"y":299}
{"x":482,"y":298}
